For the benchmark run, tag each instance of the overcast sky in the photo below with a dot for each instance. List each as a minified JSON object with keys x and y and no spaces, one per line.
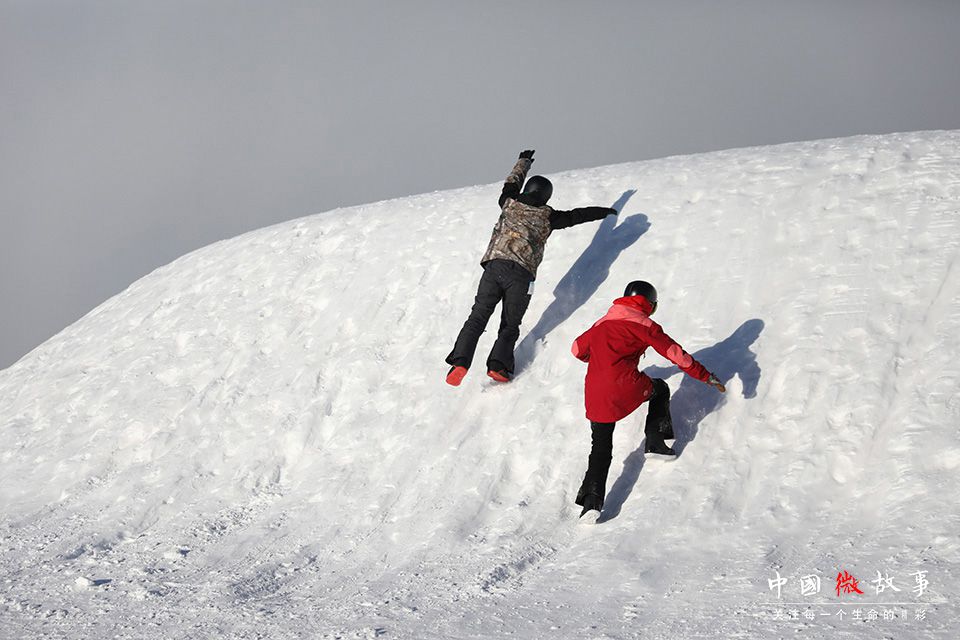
{"x":132,"y":132}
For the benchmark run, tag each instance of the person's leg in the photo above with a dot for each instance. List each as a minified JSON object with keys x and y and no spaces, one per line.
{"x":488,"y":295}
{"x":598,"y":465}
{"x":515,"y":282}
{"x":659,"y":425}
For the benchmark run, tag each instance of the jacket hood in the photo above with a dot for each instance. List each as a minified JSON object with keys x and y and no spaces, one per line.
{"x":635,"y":302}
{"x":630,"y":308}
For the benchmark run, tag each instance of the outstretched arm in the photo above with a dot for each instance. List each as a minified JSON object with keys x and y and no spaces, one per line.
{"x":672,"y":351}
{"x":514,"y":182}
{"x":564,"y":219}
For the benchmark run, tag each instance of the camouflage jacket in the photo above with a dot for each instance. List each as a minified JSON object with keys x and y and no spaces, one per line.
{"x":521,"y":233}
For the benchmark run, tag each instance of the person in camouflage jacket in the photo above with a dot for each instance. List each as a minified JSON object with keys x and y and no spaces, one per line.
{"x":510,"y":267}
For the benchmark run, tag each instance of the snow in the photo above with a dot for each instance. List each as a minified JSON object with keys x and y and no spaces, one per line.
{"x":256,"y":440}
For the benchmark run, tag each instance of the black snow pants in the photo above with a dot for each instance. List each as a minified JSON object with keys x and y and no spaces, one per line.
{"x":658,"y":427}
{"x":501,"y":280}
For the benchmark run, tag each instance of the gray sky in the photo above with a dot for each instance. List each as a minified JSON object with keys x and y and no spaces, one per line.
{"x":133,"y":132}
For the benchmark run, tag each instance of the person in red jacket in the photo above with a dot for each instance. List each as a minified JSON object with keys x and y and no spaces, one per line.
{"x":614,"y":387}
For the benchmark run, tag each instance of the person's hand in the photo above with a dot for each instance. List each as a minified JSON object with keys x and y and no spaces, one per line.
{"x":528,"y":154}
{"x":716,"y":384}
{"x":613,"y":212}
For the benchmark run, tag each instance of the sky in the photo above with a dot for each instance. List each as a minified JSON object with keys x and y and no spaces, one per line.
{"x":133,"y":132}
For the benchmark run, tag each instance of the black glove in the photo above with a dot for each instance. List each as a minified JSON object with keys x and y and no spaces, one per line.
{"x":528,"y":154}
{"x":613,"y":212}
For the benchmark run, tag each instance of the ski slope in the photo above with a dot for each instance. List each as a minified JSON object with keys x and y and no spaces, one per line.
{"x":256,"y":440}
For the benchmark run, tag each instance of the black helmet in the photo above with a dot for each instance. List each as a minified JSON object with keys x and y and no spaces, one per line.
{"x":539,"y":189}
{"x":642,"y":288}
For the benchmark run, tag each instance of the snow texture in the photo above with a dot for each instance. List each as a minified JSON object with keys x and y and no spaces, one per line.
{"x":256,"y":440}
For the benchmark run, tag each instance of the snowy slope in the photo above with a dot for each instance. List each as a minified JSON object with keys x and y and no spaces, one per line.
{"x":256,"y":440}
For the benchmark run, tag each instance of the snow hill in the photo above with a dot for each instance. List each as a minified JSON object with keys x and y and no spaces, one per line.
{"x":256,"y":440}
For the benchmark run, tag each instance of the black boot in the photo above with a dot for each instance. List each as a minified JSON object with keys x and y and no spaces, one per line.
{"x":657,"y":448}
{"x":592,"y":506}
{"x":664,"y":427}
{"x":588,"y":489}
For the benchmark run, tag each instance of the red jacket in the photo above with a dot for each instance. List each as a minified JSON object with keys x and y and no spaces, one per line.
{"x":612,"y":348}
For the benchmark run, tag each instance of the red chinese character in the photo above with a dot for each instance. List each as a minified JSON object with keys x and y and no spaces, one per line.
{"x":847,"y":584}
